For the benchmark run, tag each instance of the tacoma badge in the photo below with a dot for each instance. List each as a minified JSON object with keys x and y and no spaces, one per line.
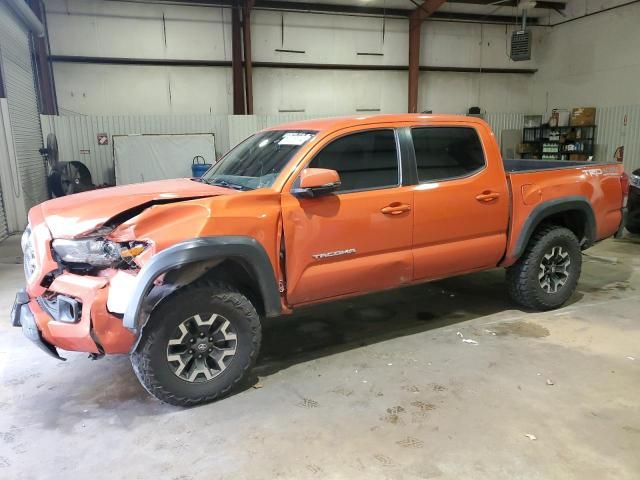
{"x":319,"y":256}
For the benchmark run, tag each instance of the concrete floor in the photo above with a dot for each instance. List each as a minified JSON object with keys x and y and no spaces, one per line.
{"x":378,"y":387}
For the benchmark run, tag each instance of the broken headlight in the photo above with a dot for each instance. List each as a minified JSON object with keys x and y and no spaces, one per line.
{"x":96,"y":252}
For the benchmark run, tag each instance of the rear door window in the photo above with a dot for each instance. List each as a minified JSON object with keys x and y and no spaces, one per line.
{"x":444,"y":153}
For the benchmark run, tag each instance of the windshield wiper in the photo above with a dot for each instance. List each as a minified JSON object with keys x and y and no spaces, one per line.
{"x":227,"y":184}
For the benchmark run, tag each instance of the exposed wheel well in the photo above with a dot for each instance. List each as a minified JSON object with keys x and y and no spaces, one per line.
{"x":230,"y":271}
{"x":574,"y":220}
{"x":574,"y":213}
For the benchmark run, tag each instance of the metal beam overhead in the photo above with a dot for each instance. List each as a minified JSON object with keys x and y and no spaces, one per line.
{"x":545,"y":5}
{"x":289,"y":65}
{"x":356,"y":10}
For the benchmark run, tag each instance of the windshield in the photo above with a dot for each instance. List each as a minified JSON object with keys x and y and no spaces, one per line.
{"x":257,"y":161}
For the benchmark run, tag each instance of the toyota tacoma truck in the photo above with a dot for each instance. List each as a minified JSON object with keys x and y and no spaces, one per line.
{"x":181,"y":274}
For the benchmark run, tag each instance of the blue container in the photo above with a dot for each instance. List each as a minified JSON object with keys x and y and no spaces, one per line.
{"x":199,"y":166}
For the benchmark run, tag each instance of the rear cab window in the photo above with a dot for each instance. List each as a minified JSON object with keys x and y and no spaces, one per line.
{"x":446,"y":153}
{"x":364,"y":160}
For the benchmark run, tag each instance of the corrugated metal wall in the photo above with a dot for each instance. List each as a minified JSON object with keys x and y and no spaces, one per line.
{"x":22,"y":101}
{"x":77,"y":135}
{"x":4,"y":229}
{"x":619,"y":126}
{"x":504,"y":121}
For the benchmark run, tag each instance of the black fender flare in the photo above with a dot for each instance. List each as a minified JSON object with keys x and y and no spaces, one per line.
{"x":245,"y":249}
{"x":551,"y":207}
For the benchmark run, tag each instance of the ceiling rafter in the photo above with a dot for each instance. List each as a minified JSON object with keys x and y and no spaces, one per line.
{"x":311,"y":7}
{"x":544,"y":4}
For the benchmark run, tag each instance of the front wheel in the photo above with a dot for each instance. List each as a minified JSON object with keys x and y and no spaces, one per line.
{"x":547,"y":273}
{"x":198,"y":345}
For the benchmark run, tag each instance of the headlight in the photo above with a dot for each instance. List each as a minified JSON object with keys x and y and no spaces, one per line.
{"x":29,"y":254}
{"x":634,"y":180}
{"x":93,"y":251}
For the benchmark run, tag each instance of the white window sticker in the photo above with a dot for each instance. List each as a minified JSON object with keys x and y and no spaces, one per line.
{"x":294,"y":138}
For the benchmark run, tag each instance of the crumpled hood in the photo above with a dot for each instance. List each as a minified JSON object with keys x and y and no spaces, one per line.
{"x":75,"y":215}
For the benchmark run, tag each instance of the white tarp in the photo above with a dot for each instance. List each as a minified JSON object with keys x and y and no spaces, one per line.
{"x":143,"y":158}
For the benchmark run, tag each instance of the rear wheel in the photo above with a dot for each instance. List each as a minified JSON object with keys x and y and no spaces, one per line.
{"x":198,"y":345}
{"x":547,"y":273}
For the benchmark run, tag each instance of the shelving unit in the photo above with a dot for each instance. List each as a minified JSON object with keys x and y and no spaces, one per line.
{"x":560,"y":143}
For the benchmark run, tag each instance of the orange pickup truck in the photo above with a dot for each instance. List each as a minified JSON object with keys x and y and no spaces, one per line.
{"x":180,"y":274}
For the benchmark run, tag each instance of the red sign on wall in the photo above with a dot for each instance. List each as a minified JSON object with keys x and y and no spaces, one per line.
{"x":103,"y":139}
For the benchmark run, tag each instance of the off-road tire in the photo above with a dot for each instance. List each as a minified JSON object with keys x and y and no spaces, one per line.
{"x":633,"y":228}
{"x":522,"y":277}
{"x":149,"y":360}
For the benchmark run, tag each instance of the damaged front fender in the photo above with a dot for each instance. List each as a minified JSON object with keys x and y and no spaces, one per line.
{"x":206,"y":249}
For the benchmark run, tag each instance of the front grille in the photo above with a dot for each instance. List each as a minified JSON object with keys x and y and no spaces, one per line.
{"x":29,"y":254}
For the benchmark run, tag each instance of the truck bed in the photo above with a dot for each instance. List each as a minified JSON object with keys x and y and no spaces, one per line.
{"x":534,"y":183}
{"x":531,"y":165}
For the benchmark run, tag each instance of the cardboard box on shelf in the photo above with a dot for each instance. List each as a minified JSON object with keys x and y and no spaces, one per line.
{"x":578,"y":157}
{"x":525,"y":148}
{"x":583,"y":116}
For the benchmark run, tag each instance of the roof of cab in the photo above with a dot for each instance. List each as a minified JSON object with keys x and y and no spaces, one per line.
{"x":338,"y":123}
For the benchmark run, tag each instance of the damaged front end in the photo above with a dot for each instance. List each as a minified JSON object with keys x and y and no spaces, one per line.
{"x":79,"y":283}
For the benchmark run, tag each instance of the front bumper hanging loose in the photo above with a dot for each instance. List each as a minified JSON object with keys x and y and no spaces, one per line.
{"x":22,"y":316}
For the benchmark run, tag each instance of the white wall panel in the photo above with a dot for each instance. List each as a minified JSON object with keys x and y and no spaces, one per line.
{"x":149,"y":90}
{"x":449,"y":92}
{"x":198,"y":33}
{"x":591,"y":61}
{"x":121,"y":29}
{"x":454,"y":44}
{"x":158,"y":31}
{"x":328,"y":38}
{"x":329,"y":92}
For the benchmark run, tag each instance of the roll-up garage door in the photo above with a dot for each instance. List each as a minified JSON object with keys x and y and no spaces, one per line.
{"x":20,"y":86}
{"x":4,"y":231}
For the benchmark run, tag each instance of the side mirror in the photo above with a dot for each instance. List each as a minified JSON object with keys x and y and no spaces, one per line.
{"x":317,"y":181}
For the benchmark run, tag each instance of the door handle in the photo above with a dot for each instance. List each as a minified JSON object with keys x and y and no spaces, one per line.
{"x":487,"y":196}
{"x":396,"y":209}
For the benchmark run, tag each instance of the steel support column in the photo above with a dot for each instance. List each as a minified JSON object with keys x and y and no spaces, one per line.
{"x":236,"y":61}
{"x":248,"y":63}
{"x":416,"y":18}
{"x":414,"y":63}
{"x":44,"y":71}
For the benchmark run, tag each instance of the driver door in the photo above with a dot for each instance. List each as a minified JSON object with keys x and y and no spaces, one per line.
{"x":357,"y":239}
